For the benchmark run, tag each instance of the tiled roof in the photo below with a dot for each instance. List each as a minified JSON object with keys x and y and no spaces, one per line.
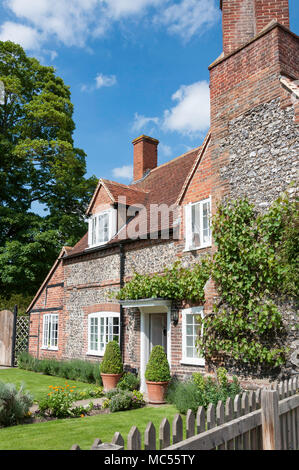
{"x":162,"y":185}
{"x":132,"y":194}
{"x":114,"y":190}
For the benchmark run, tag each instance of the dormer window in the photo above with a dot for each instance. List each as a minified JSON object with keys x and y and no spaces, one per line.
{"x":102,"y":227}
{"x":198,"y":225}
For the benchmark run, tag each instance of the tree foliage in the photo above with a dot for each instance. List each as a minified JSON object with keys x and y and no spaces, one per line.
{"x":38,"y":164}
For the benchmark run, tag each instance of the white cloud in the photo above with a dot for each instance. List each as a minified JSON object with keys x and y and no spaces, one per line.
{"x":121,"y":8}
{"x":26,"y":36}
{"x":191,"y":115}
{"x":73,"y":22}
{"x":189,"y":17}
{"x":141,"y":122}
{"x":125,"y":172}
{"x":105,"y":80}
{"x":66,"y":20}
{"x":101,"y":80}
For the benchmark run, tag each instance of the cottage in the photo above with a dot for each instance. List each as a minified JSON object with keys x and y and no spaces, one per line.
{"x":164,"y":214}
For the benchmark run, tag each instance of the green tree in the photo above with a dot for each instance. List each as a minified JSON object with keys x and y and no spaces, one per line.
{"x":38,"y":163}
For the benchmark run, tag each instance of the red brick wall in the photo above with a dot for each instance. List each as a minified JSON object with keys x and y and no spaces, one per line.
{"x":267,"y":10}
{"x":145,"y":155}
{"x":238,"y":23}
{"x":242,"y":20}
{"x":50,"y":298}
{"x":102,"y":201}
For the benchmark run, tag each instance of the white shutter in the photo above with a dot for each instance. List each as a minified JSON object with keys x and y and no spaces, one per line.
{"x":188,"y":227}
{"x":45,"y":330}
{"x":90,"y":232}
{"x":112,"y":223}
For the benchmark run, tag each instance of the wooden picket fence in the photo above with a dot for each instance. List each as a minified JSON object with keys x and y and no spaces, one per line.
{"x":266,"y":419}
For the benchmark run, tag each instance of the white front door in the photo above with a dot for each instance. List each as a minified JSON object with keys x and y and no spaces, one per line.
{"x":155,"y":329}
{"x":158,"y":330}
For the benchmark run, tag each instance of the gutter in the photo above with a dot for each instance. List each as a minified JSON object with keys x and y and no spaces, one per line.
{"x":117,"y":243}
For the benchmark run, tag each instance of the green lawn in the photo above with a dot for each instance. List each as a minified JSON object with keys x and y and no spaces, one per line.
{"x":37,"y":384}
{"x":62,"y":434}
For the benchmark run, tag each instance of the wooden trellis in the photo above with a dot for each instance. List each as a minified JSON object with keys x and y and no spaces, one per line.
{"x":22,"y":336}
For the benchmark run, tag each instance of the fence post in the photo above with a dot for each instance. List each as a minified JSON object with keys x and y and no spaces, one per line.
{"x":13,"y":339}
{"x":270,"y":420}
{"x":134,"y":439}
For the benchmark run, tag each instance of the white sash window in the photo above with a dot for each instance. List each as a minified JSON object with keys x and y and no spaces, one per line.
{"x":103,"y":327}
{"x":198,"y":225}
{"x":191,"y":331}
{"x":50,"y":331}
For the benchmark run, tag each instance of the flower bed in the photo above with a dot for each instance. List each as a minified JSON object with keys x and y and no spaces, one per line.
{"x":201,"y":391}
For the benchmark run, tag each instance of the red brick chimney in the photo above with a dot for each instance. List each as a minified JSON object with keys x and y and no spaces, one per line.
{"x":145,"y":155}
{"x":242,"y":20}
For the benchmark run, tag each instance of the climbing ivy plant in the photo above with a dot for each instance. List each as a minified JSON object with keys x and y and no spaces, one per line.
{"x":256,"y":259}
{"x":176,"y":283}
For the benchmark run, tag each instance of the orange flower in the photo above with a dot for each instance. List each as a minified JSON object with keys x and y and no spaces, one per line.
{"x":82,"y":416}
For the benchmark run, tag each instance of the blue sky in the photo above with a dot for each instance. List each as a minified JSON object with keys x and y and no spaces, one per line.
{"x":133,"y":66}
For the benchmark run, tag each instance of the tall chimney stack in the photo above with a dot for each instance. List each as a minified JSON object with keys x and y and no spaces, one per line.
{"x":145,"y":155}
{"x":242,"y":20}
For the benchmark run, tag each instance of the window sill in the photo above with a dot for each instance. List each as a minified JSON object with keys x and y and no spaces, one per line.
{"x":97,"y":245}
{"x":194,"y":248}
{"x":194,"y":362}
{"x":49,"y":349}
{"x":94,"y":353}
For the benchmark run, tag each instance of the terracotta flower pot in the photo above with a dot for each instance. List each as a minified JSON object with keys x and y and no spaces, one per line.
{"x":156,"y":392}
{"x":110,"y":381}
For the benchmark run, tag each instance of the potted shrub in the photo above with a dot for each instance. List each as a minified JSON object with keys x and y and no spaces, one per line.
{"x":157,"y":375}
{"x":111,"y":366}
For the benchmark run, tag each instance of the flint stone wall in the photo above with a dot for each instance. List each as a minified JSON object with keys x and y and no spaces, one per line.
{"x":263,"y":148}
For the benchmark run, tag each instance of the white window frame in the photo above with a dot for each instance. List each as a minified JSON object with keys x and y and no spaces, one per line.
{"x":188,"y":225}
{"x":199,"y":361}
{"x":98,"y":316}
{"x":93,"y":223}
{"x":49,"y":341}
